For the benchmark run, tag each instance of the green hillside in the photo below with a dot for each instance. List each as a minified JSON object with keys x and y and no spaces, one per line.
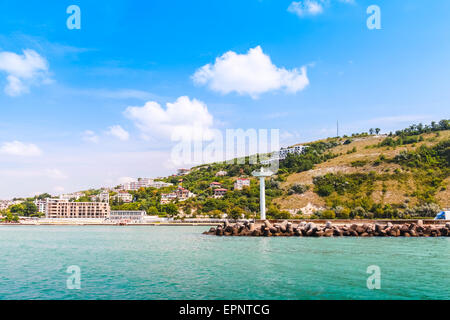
{"x":401,"y":175}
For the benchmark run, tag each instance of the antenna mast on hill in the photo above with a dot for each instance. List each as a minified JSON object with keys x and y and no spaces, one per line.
{"x":337,"y":128}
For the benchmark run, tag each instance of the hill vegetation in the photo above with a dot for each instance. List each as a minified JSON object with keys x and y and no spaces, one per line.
{"x":404,"y":174}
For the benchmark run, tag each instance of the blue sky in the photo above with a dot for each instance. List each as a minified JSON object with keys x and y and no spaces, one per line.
{"x":64,"y":123}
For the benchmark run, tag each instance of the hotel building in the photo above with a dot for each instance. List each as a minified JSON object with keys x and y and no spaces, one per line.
{"x":57,"y":208}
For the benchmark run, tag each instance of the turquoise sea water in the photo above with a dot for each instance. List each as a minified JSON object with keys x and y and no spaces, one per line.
{"x":181,"y":263}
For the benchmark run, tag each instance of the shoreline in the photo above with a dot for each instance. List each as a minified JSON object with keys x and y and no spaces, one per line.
{"x":257,"y":223}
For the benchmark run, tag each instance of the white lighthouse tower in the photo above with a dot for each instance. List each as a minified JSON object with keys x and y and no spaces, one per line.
{"x":262,"y":174}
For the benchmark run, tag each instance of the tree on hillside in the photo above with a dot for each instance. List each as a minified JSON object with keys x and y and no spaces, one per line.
{"x":170,"y":209}
{"x":26,"y":209}
{"x":236,"y":213}
{"x":377,"y":130}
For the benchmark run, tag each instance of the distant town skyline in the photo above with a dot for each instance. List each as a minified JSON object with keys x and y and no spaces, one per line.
{"x":92,"y":107}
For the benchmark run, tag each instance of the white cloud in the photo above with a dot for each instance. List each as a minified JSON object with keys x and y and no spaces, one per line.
{"x":306,"y":7}
{"x":183,"y":118}
{"x":23,"y":71}
{"x":90,"y":136}
{"x":252,"y":73}
{"x":17,"y":148}
{"x":118,"y":132}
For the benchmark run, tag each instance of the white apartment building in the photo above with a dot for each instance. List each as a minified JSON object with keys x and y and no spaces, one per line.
{"x":144,"y":183}
{"x":5,"y":204}
{"x":123,"y":196}
{"x":102,"y":197}
{"x":41,"y":205}
{"x":160,"y":184}
{"x":70,"y":196}
{"x":295,"y":150}
{"x":282,"y":154}
{"x":240,"y":183}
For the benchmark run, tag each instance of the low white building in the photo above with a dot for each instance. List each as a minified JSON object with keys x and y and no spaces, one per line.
{"x":181,"y":194}
{"x":282,"y":154}
{"x":123,"y":196}
{"x":70,"y":196}
{"x":220,"y":192}
{"x":221,"y":173}
{"x":240,"y":183}
{"x":160,"y":184}
{"x":102,"y":197}
{"x":127,"y":215}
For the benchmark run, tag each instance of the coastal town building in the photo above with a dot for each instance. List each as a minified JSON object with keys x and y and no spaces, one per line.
{"x":220,"y":192}
{"x":123,"y":196}
{"x":71,"y":196}
{"x":168,"y":197}
{"x":61,"y":208}
{"x":215,"y":185}
{"x":221,"y":173}
{"x":144,"y":183}
{"x":283,"y":152}
{"x":136,"y":185}
{"x":183,"y":171}
{"x":295,"y":150}
{"x":240,"y":183}
{"x":160,"y":184}
{"x":101,"y":197}
{"x":180,"y":194}
{"x":127,"y":215}
{"x":41,"y":205}
{"x":5,"y":204}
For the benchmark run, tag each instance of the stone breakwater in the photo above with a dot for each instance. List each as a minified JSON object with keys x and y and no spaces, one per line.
{"x":310,"y":229}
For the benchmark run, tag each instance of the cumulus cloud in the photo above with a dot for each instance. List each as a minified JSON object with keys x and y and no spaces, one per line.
{"x":90,"y":136}
{"x":118,"y":132}
{"x":306,"y":7}
{"x":252,"y":74}
{"x":17,"y":148}
{"x":185,"y":118}
{"x":23,"y":71}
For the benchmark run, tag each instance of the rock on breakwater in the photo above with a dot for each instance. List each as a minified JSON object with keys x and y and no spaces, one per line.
{"x":310,"y":229}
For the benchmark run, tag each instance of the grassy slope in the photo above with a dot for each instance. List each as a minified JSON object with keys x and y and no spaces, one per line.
{"x":396,"y":191}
